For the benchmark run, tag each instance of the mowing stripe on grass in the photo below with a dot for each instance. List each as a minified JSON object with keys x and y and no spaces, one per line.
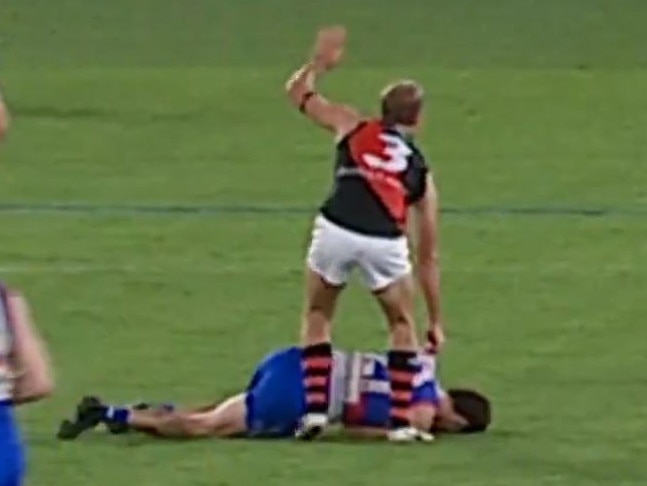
{"x":171,"y":209}
{"x":79,"y":268}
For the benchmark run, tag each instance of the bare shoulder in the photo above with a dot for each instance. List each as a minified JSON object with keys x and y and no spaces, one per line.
{"x":350,"y":119}
{"x":344,"y":119}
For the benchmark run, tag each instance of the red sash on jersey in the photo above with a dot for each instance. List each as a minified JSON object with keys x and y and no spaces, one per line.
{"x":382,"y":157}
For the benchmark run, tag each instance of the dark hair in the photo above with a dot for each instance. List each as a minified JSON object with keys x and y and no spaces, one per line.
{"x":474,"y":407}
{"x":401,"y":103}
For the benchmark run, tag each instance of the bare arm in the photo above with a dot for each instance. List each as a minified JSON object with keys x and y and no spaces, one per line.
{"x":370,"y":433}
{"x":4,"y":118}
{"x":422,"y":418}
{"x":449,"y":421}
{"x":29,"y":359}
{"x":427,"y":255}
{"x":302,"y":90}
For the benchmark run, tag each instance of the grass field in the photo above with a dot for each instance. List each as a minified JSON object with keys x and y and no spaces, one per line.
{"x":537,"y":135}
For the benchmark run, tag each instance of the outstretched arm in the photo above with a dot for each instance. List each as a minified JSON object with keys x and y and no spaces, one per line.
{"x":302,"y":90}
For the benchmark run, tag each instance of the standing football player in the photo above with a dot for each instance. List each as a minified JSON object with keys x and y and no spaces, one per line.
{"x":25,"y":377}
{"x":379,"y":175}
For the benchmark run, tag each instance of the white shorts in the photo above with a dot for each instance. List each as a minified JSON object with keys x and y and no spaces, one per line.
{"x":334,"y":252}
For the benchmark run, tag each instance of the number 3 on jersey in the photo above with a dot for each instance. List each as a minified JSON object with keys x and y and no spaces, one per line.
{"x":394,"y":156}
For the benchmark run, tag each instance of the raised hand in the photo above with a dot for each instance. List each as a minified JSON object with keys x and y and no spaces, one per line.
{"x":329,"y":47}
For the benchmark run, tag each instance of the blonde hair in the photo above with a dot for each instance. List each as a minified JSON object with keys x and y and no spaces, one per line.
{"x":401,"y":103}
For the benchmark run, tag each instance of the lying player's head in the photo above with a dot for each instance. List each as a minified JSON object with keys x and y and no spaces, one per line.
{"x":473,"y":407}
{"x":401,"y":104}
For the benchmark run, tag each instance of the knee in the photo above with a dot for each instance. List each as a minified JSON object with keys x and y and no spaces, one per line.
{"x":401,"y":323}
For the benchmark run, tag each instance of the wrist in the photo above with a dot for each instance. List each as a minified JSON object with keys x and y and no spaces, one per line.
{"x":435,"y":324}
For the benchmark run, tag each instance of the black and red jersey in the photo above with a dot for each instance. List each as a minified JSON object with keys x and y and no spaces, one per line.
{"x":378,"y":174}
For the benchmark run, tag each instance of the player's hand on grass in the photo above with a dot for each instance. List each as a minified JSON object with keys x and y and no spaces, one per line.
{"x":435,"y":338}
{"x":329,"y":47}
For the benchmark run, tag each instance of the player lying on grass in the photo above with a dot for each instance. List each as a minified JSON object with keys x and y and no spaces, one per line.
{"x":274,"y":402}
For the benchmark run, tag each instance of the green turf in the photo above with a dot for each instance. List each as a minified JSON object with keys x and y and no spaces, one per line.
{"x":533,"y":103}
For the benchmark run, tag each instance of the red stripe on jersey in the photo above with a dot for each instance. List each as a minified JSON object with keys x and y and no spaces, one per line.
{"x":316,"y":398}
{"x":382,"y":167}
{"x":403,"y":396}
{"x":316,"y":381}
{"x":402,"y":376}
{"x":317,"y":362}
{"x":355,"y":413}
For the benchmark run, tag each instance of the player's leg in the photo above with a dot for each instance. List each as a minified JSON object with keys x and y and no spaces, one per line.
{"x":270,"y":407}
{"x":386,"y":270}
{"x":223,"y":420}
{"x":320,"y":304}
{"x":397,"y":303}
{"x":329,"y":264}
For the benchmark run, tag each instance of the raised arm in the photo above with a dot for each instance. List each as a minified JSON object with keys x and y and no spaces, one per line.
{"x":301,"y":87}
{"x":427,"y":262}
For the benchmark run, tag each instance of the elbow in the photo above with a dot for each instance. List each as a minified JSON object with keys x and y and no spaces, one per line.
{"x":289,"y":86}
{"x":294,"y":90}
{"x":37,"y":389}
{"x":292,"y":93}
{"x":37,"y":383}
{"x":42,"y":390}
{"x":428,"y":260}
{"x":42,"y":386}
